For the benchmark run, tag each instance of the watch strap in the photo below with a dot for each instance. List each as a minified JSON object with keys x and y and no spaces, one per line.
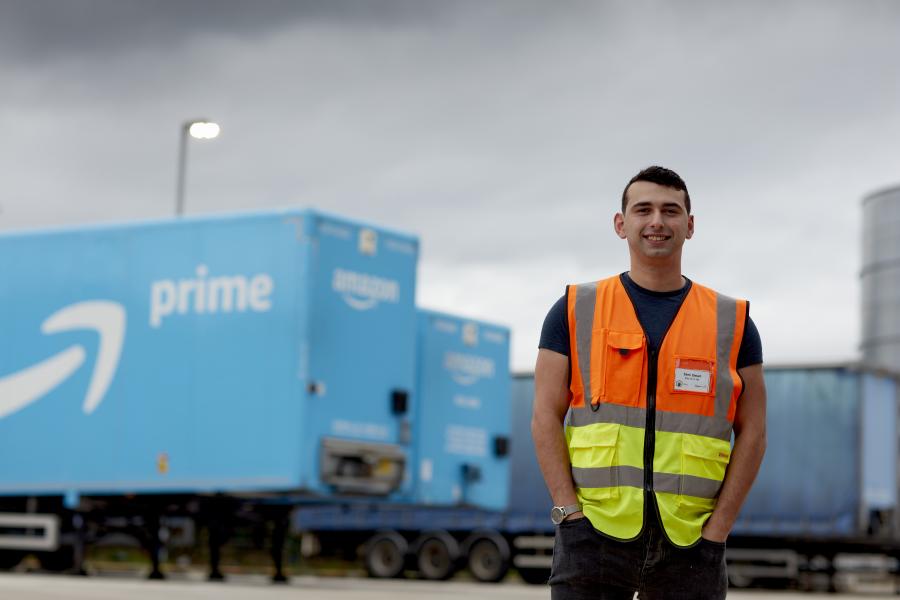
{"x":559,"y":513}
{"x":570,"y":509}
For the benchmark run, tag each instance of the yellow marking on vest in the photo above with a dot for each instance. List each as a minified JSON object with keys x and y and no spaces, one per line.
{"x":605,"y":445}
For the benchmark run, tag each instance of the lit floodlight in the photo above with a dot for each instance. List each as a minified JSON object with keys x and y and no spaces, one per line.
{"x":204,"y":130}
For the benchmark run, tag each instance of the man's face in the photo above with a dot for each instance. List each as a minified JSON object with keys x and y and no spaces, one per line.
{"x":655,"y":222}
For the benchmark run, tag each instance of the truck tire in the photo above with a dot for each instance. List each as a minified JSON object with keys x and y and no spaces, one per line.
{"x":385,"y":555}
{"x":437,"y":555}
{"x":487,"y":556}
{"x":534,"y":575}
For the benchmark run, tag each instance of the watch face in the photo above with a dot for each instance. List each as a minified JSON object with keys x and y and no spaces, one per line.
{"x":557,"y":514}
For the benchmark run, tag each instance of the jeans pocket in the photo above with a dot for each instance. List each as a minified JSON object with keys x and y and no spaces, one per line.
{"x":568,"y":547}
{"x":571,"y":523}
{"x":712,"y":551}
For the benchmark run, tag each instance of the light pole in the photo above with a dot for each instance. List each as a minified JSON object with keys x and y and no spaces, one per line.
{"x":202,"y":129}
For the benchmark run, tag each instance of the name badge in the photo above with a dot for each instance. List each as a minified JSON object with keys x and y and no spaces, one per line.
{"x":693,"y":375}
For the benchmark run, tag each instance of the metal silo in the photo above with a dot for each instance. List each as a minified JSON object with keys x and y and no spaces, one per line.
{"x":881,"y":279}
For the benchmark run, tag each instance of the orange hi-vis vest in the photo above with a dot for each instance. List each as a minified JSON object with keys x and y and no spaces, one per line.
{"x":641,"y":420}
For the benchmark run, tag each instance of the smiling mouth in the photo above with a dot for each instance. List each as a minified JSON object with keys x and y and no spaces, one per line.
{"x":657,"y":238}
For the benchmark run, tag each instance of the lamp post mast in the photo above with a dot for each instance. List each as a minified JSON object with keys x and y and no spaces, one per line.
{"x":201,"y":129}
{"x":182,"y":164}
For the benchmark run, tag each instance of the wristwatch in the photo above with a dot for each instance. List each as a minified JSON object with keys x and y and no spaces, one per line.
{"x":559,"y":513}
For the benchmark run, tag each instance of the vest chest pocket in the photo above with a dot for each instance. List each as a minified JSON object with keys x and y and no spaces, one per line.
{"x":623,"y":368}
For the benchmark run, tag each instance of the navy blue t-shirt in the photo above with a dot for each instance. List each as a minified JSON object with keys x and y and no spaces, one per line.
{"x":655,"y":311}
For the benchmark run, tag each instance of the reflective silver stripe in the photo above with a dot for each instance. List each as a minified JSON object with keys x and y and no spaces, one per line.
{"x":726,"y":315}
{"x":601,"y":477}
{"x":608,"y":413}
{"x":622,"y":476}
{"x":585,"y":302}
{"x":714,"y":427}
{"x":686,"y":485}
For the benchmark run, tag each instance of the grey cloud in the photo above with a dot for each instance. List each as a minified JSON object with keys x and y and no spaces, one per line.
{"x":500,"y":132}
{"x":41,"y":30}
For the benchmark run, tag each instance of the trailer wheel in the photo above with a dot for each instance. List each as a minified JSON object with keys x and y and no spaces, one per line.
{"x":385,"y":555}
{"x":487,"y":556}
{"x":437,"y":555}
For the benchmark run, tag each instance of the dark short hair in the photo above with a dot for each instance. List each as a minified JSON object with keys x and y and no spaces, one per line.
{"x":660,"y":176}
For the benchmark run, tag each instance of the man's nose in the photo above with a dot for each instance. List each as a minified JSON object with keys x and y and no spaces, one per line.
{"x":656,"y":219}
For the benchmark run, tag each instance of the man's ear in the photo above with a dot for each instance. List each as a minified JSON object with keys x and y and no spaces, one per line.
{"x":619,"y":225}
{"x":690,"y":231}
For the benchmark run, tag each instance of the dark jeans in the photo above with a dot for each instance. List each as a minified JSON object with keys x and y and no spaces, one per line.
{"x":589,"y":565}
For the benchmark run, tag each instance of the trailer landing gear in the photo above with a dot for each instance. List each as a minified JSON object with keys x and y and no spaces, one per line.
{"x":154,"y":545}
{"x":216,"y":514}
{"x":279,"y":533}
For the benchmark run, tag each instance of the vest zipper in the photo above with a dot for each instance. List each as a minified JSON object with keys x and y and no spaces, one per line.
{"x":650,"y":427}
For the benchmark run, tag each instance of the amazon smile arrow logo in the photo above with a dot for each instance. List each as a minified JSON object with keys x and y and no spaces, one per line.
{"x":20,"y":389}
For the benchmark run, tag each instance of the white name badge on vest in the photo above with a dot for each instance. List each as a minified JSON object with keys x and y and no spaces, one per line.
{"x":693,"y":375}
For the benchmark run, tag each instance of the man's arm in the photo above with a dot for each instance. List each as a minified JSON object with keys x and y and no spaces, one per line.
{"x":551,"y":401}
{"x":746,"y":456}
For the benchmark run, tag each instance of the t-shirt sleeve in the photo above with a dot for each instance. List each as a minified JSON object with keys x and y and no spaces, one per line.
{"x":555,"y":332}
{"x":751,"y":346}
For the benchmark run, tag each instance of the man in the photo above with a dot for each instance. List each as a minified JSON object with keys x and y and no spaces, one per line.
{"x":655,"y":373}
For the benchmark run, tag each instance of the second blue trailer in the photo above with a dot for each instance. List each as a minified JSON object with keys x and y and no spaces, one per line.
{"x":462,"y":450}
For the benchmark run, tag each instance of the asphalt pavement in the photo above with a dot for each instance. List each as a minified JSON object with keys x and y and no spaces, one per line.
{"x":30,"y":586}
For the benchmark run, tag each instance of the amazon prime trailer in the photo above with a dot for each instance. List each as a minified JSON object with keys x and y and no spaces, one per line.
{"x":191,"y":365}
{"x":271,"y":352}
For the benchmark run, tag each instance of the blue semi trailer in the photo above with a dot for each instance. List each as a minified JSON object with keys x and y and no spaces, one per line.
{"x":248,"y":364}
{"x":828,"y":488}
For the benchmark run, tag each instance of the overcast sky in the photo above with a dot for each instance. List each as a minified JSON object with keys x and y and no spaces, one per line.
{"x":500,"y":133}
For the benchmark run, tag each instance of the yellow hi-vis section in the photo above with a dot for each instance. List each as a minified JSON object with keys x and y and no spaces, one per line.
{"x":687,"y":454}
{"x":683,"y":516}
{"x":622,"y":516}
{"x":617,"y":511}
{"x":605,"y":445}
